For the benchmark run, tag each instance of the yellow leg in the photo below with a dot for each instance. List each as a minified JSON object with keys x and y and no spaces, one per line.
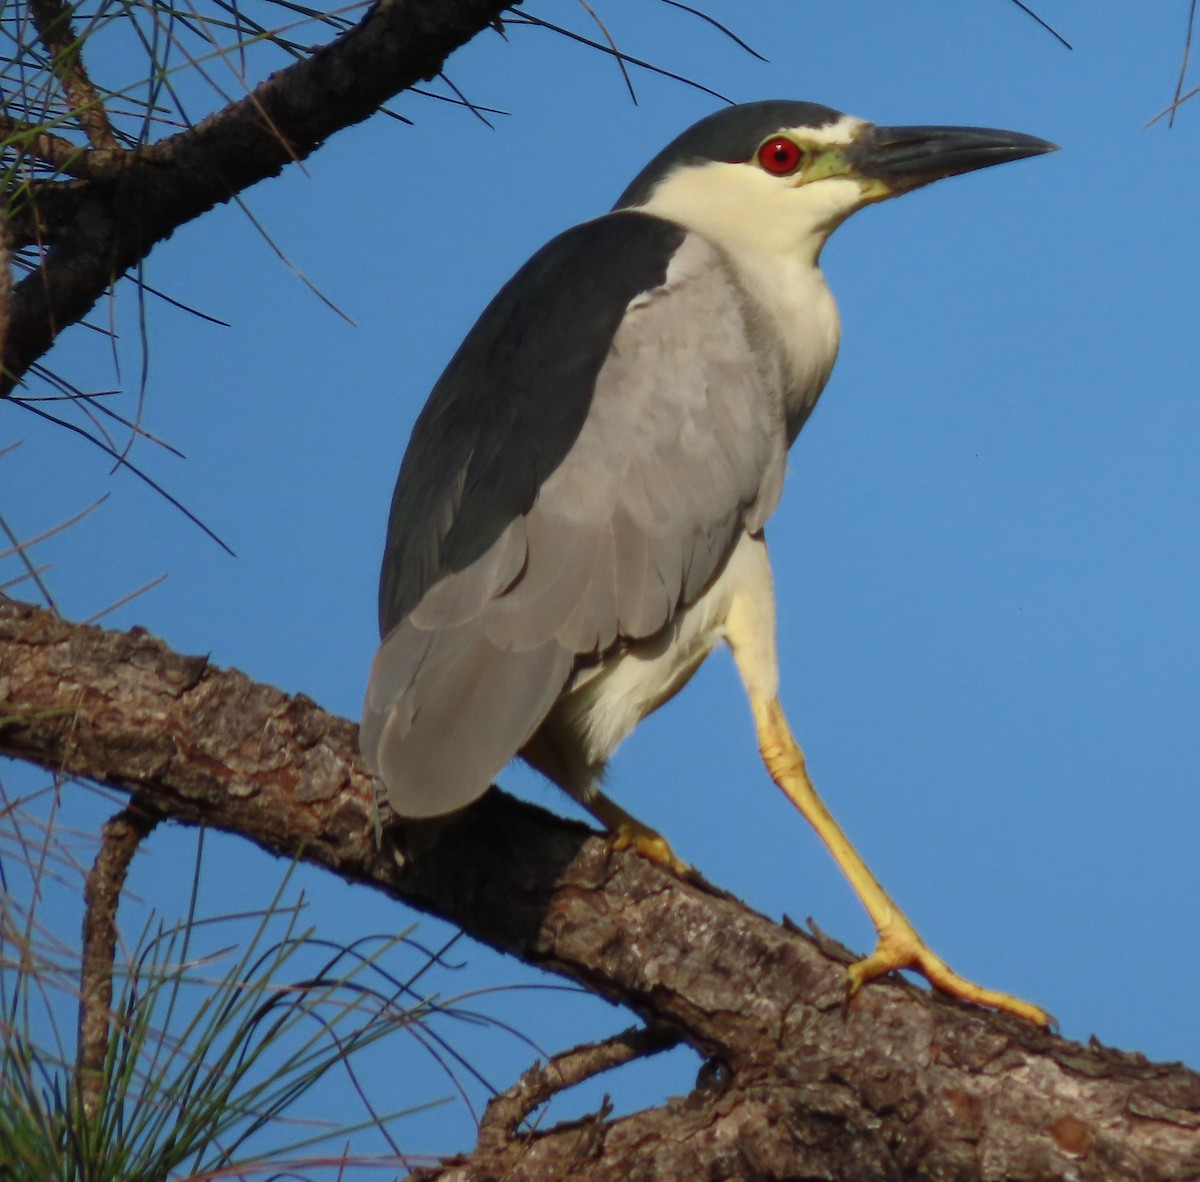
{"x":750,"y":632}
{"x":899,"y":946}
{"x":627,"y":832}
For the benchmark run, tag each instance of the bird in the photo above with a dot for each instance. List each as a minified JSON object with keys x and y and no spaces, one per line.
{"x":579,"y":518}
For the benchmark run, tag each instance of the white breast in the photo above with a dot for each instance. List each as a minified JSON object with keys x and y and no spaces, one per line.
{"x":804,"y":316}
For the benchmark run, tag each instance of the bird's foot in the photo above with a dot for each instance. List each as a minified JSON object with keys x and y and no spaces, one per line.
{"x":633,"y":835}
{"x":900,"y":947}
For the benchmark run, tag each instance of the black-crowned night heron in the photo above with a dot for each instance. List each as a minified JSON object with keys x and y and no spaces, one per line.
{"x":579,"y":516}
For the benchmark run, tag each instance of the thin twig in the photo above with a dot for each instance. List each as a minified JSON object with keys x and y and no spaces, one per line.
{"x":1045,"y":25}
{"x":1183,"y":65}
{"x":22,"y":547}
{"x":716,"y":24}
{"x":131,"y":467}
{"x":92,"y":402}
{"x":612,"y":45}
{"x":119,"y":839}
{"x":539,"y":1083}
{"x":1183,"y":98}
{"x":188,"y":308}
{"x":466,"y":102}
{"x":536,"y":22}
{"x":112,"y":607}
{"x":32,"y":571}
{"x":52,"y":19}
{"x":443,"y":98}
{"x":54,"y":150}
{"x":240,"y":202}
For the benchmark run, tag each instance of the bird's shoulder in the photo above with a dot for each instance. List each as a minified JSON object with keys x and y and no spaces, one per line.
{"x":513,"y":399}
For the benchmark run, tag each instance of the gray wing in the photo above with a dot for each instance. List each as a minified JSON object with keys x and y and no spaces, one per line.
{"x":574,"y":481}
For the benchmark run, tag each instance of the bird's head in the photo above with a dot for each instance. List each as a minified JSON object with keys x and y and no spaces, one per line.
{"x":784,"y":175}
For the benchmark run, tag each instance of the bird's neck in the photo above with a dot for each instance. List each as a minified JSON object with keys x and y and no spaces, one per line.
{"x":792,"y":295}
{"x":772,"y":239}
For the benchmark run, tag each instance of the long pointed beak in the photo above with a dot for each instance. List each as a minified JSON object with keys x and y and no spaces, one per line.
{"x":904,"y":158}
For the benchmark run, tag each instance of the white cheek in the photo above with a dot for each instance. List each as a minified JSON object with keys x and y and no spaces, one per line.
{"x":828,"y":202}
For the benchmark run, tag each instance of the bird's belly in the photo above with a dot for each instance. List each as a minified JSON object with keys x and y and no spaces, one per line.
{"x":615,"y":697}
{"x":603,"y":703}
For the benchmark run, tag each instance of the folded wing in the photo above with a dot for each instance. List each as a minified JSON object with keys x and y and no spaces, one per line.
{"x":582,"y":470}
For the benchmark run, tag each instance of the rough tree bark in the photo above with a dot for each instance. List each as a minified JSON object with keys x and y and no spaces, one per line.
{"x":896,"y":1085}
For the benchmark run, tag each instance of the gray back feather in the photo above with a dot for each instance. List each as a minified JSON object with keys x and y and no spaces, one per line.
{"x":575,"y":516}
{"x":513,"y":400}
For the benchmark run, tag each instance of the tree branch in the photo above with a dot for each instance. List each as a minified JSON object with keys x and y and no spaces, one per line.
{"x":896,"y":1084}
{"x":540,"y":1082}
{"x":52,"y":19}
{"x":119,"y":840}
{"x":133,"y":200}
{"x":43,"y":146}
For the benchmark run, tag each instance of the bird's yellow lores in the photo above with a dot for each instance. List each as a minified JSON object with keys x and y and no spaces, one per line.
{"x":579,"y":518}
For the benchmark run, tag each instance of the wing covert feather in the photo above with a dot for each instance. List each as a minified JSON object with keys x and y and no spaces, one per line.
{"x":680,"y":443}
{"x":512,"y":401}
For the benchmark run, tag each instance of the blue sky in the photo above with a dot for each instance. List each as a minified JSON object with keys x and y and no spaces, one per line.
{"x":986,"y":559}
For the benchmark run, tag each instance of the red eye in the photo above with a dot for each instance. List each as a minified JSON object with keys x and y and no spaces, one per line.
{"x":780,"y":156}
